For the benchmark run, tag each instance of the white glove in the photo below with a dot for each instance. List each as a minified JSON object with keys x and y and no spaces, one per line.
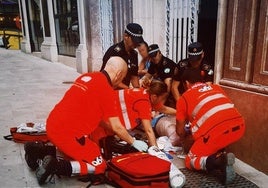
{"x":140,"y":145}
{"x":154,"y":150}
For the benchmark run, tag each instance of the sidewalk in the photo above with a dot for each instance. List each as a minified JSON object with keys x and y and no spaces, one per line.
{"x":29,"y":89}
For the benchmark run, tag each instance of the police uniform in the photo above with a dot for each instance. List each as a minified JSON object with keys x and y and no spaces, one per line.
{"x":131,"y":58}
{"x":135,"y":31}
{"x":164,"y":69}
{"x":206,"y":72}
{"x":195,"y":50}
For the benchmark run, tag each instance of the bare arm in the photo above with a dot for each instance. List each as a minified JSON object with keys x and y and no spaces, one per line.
{"x":120,"y":130}
{"x":168,"y":82}
{"x":142,"y":70}
{"x":122,"y":86}
{"x":186,"y":140}
{"x":146,"y":80}
{"x":167,"y":110}
{"x":180,"y":128}
{"x":135,"y":81}
{"x":175,"y":90}
{"x":149,"y":132}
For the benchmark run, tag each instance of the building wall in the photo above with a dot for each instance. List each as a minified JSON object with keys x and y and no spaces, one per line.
{"x":252,"y":148}
{"x":241,"y":68}
{"x":151,"y":15}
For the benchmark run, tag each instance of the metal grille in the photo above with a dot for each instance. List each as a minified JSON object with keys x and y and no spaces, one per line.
{"x":106,"y":26}
{"x":181,"y":22}
{"x":204,"y":180}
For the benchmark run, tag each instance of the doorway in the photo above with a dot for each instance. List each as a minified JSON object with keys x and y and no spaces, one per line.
{"x":207,"y":26}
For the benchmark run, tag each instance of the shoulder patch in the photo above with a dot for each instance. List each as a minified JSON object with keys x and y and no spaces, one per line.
{"x":117,"y":48}
{"x":167,"y":70}
{"x":206,"y":67}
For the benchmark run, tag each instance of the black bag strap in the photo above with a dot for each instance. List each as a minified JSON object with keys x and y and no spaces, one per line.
{"x":97,"y":180}
{"x":8,"y":137}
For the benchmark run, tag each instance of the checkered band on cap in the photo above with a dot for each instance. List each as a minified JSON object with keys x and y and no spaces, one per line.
{"x":131,"y":33}
{"x":152,"y":51}
{"x":195,"y":53}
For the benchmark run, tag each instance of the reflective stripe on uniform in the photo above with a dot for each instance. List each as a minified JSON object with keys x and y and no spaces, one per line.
{"x":209,"y":113}
{"x":204,"y":101}
{"x":124,"y":109}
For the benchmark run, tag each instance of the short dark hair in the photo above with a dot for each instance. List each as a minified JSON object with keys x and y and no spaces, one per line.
{"x":157,"y":88}
{"x":192,"y":75}
{"x":145,"y":43}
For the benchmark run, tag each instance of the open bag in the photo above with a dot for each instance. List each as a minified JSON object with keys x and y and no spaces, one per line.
{"x":27,"y":132}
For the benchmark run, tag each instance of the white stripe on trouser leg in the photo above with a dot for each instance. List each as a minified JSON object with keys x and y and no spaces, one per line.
{"x":124,"y":109}
{"x":192,"y":161}
{"x":203,"y":162}
{"x":76,"y":168}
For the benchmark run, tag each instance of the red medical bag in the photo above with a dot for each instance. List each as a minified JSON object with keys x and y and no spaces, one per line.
{"x":138,"y":170}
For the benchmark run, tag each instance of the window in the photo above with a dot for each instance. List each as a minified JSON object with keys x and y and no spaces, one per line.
{"x":67,"y":28}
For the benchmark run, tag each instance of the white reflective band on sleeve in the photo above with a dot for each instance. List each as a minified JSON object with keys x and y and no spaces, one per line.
{"x":124,"y":109}
{"x":212,"y":111}
{"x":204,"y":101}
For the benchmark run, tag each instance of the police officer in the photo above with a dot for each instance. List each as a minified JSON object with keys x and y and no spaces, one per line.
{"x":196,"y":60}
{"x":125,"y":49}
{"x":161,"y":68}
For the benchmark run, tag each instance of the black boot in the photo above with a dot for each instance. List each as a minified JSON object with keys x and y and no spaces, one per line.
{"x":221,"y":165}
{"x":50,"y":167}
{"x":216,"y":161}
{"x":35,"y":151}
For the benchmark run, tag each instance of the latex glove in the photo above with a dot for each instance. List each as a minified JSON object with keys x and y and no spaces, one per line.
{"x":140,"y":145}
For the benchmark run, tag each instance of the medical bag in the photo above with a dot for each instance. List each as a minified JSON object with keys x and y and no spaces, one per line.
{"x":138,"y":170}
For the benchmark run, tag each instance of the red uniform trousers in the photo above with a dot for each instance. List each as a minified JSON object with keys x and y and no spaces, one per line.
{"x":80,"y":148}
{"x":214,"y":140}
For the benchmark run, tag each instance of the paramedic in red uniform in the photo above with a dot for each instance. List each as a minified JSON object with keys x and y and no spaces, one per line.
{"x":136,"y":107}
{"x":215,"y":124}
{"x":89,"y":100}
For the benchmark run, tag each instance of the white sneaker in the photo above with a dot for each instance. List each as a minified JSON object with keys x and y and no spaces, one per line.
{"x":176,"y":178}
